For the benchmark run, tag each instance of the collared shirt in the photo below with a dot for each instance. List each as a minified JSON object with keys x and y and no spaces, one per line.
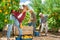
{"x":33,"y":17}
{"x":44,"y":19}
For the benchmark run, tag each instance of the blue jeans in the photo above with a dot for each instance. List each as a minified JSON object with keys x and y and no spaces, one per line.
{"x":16,"y":23}
{"x":33,"y":24}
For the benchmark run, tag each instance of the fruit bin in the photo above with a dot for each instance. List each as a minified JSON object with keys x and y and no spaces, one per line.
{"x":25,"y":37}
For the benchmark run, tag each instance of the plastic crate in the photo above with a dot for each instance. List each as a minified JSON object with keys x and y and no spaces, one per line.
{"x":27,"y":39}
{"x":24,"y":37}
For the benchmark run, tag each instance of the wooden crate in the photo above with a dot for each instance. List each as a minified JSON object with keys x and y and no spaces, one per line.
{"x":26,"y":30}
{"x":15,"y":31}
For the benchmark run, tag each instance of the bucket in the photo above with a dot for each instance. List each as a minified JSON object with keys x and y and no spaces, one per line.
{"x":18,"y":38}
{"x":36,"y":33}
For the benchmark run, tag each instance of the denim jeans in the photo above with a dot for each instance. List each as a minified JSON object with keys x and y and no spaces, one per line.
{"x":34,"y":26}
{"x":16,"y":23}
{"x":44,"y":25}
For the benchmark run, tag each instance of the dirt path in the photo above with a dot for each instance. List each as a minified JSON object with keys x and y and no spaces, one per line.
{"x":50,"y":36}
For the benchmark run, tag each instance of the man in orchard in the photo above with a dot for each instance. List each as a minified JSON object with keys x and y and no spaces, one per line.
{"x":32,"y":20}
{"x":17,"y":18}
{"x":43,"y":22}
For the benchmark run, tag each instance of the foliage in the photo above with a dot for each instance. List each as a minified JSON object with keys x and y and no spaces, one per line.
{"x":50,"y":7}
{"x":54,"y":7}
{"x":5,"y":8}
{"x":27,"y":18}
{"x":36,"y":6}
